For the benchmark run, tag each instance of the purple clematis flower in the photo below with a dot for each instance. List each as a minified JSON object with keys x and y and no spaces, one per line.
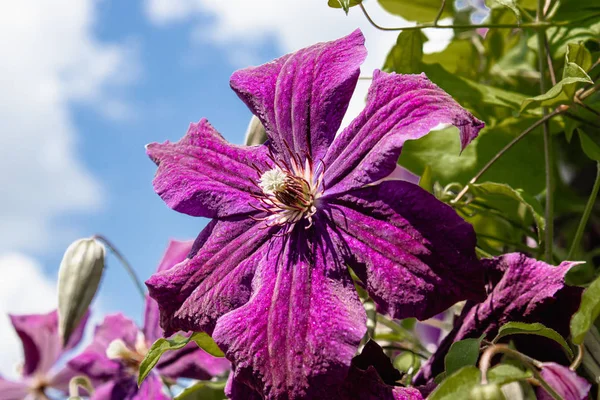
{"x":112,"y":360}
{"x":42,"y":349}
{"x":565,"y":382}
{"x":267,"y":277}
{"x":371,"y":377}
{"x":524,"y":290}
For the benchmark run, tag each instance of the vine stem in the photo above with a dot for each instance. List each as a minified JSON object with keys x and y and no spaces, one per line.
{"x":487,"y":166}
{"x":126,"y":265}
{"x":586,"y":214}
{"x":548,"y":151}
{"x":536,"y":24}
{"x":489,"y":353}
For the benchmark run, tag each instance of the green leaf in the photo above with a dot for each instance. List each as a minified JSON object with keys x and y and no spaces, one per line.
{"x":419,"y":11}
{"x":522,"y":328}
{"x":426,"y":180}
{"x":407,"y":361}
{"x":343,"y":4}
{"x":473,"y":95}
{"x":162,"y":345}
{"x":441,"y":151}
{"x":590,"y":143}
{"x":203,"y":391}
{"x":406,"y":55}
{"x":459,"y":58}
{"x":578,"y":54}
{"x":206,"y":343}
{"x":461,"y":354}
{"x":458,"y":385}
{"x":558,"y":94}
{"x":510,"y":4}
{"x":588,"y":311}
{"x":502,"y":190}
{"x":506,"y":373}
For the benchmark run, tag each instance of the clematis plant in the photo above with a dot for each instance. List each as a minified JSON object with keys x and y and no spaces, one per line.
{"x":268,"y":276}
{"x":42,"y":350}
{"x":522,"y":289}
{"x":112,"y":360}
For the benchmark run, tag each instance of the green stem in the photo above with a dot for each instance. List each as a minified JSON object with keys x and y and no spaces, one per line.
{"x":535,"y":25}
{"x":486,"y":361}
{"x":548,"y":152}
{"x":126,"y":265}
{"x":586,"y":215}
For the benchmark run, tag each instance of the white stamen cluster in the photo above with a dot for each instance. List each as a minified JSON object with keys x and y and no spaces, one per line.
{"x":272,"y":181}
{"x":290,"y":192}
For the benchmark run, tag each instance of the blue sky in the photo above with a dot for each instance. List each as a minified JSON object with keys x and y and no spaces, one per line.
{"x":92,"y":82}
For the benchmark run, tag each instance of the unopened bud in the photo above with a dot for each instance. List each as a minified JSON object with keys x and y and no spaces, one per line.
{"x":255,"y":134}
{"x":78,"y":279}
{"x":489,"y":391}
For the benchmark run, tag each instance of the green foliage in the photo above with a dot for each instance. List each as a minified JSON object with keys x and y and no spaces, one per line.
{"x":590,"y":143}
{"x":405,"y":57}
{"x":162,"y":345}
{"x":343,"y":4}
{"x":588,"y":311}
{"x":203,"y":391}
{"x":521,"y":328}
{"x":491,"y":191}
{"x":419,"y":11}
{"x":510,"y":4}
{"x":461,"y":354}
{"x":460,"y":384}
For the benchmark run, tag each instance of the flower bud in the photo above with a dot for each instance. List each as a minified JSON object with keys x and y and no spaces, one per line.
{"x":78,"y":279}
{"x":489,"y":391}
{"x":255,"y":134}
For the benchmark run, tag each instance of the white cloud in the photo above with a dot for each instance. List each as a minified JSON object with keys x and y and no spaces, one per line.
{"x":50,"y":59}
{"x":242,"y":27}
{"x":23,"y":290}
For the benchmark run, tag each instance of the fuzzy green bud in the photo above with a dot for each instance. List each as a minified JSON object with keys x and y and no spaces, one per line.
{"x":78,"y":279}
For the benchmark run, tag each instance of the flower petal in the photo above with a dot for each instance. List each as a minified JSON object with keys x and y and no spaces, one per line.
{"x":191,"y":362}
{"x":399,"y":108}
{"x":126,"y":389}
{"x":203,"y":175}
{"x":565,"y":382}
{"x":302,"y":325}
{"x":215,"y":280}
{"x":302,"y":97}
{"x":41,"y":343}
{"x":373,"y":377}
{"x":525,"y":290}
{"x":93,"y":361}
{"x":414,"y":254}
{"x":176,"y":252}
{"x":12,"y":390}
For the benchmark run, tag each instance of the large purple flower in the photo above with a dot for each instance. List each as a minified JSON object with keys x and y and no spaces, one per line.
{"x":112,"y":360}
{"x":42,"y":349}
{"x":523,"y":289}
{"x":268,"y":276}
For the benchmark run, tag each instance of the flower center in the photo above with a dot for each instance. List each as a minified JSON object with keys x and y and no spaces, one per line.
{"x":290,"y":192}
{"x":131,"y":358}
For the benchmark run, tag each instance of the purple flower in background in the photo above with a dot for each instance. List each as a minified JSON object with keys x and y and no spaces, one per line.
{"x":41,"y":349}
{"x":565,"y":382}
{"x":267,"y":277}
{"x":112,"y":360}
{"x":524,"y":290}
